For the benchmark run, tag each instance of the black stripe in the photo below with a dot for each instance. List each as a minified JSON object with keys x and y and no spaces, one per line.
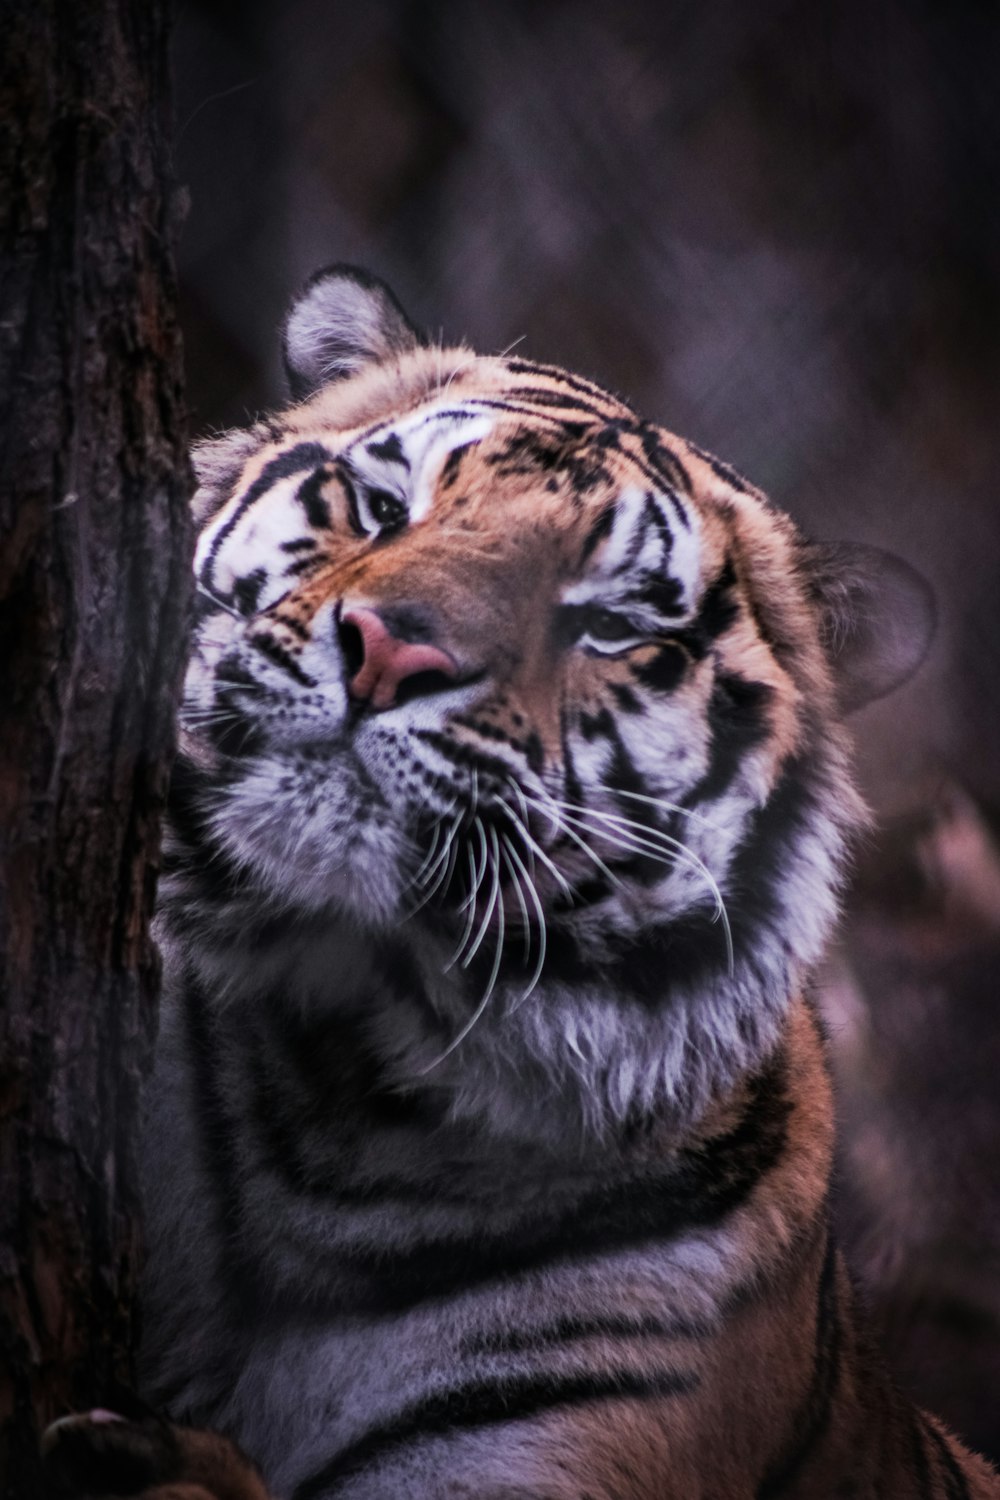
{"x":659,"y":475}
{"x":351,"y":496}
{"x":246,"y":591}
{"x":655,"y":518}
{"x":694,"y":1191}
{"x":558,"y":400}
{"x":636,"y":543}
{"x":598,"y":531}
{"x":627,"y":700}
{"x":667,"y":466}
{"x":515,"y":1399}
{"x":813,"y":1418}
{"x":644,"y":866}
{"x":622,"y":775}
{"x":731,"y":476}
{"x":283,"y":466}
{"x":310,"y":496}
{"x":304,"y":565}
{"x":656,"y":461}
{"x":738,"y":721}
{"x":296,"y":627}
{"x":534,"y":753}
{"x":461,"y":753}
{"x":584,"y":891}
{"x":235,"y":1278}
{"x":459,"y":413}
{"x":485,"y":729}
{"x":452,"y":464}
{"x":527,"y":451}
{"x":326,"y":1076}
{"x":692,"y":946}
{"x":664,"y":670}
{"x":598,"y":726}
{"x":574,"y":1329}
{"x":718,"y":611}
{"x":571,"y":777}
{"x":719,"y":607}
{"x":275,"y":652}
{"x":574,"y":430}
{"x":564,"y":377}
{"x":390,"y":449}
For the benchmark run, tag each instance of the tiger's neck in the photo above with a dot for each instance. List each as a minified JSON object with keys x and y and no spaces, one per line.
{"x":336,"y":1131}
{"x":598,"y":1048}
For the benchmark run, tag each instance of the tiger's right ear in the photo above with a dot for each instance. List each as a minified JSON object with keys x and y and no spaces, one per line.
{"x":877,"y":617}
{"x":343,"y":319}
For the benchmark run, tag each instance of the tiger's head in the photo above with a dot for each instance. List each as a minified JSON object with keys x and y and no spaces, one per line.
{"x":530,"y":695}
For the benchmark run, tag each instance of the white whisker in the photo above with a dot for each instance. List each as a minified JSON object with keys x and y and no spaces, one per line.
{"x":495,"y":970}
{"x":529,"y":842}
{"x":657,"y":845}
{"x":465,"y":365}
{"x":443,"y":865}
{"x":470,"y":902}
{"x":635,"y":830}
{"x":550,"y":808}
{"x":542,"y":934}
{"x":501,"y":925}
{"x":471,"y":897}
{"x":219,"y":603}
{"x":466,"y":961}
{"x":533,"y":847}
{"x":435,"y":838}
{"x":662,"y":803}
{"x":424,"y":872}
{"x":206,"y":715}
{"x":518,"y":892}
{"x":511,"y":346}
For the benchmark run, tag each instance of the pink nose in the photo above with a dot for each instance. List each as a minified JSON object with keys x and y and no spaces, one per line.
{"x":387,"y":661}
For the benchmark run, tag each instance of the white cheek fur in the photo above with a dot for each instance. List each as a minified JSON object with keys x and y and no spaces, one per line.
{"x":308,"y":838}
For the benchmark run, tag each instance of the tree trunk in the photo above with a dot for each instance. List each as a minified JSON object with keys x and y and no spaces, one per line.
{"x":93,"y":604}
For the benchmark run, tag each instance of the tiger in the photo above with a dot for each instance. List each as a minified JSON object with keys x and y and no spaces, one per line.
{"x":488,"y":1145}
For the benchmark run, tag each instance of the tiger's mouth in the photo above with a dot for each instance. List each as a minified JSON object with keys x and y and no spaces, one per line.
{"x":463,"y":836}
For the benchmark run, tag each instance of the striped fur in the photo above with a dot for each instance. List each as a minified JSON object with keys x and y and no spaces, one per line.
{"x":490,"y":1136}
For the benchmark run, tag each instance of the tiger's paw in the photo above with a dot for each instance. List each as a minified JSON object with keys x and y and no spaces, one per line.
{"x":98,"y":1454}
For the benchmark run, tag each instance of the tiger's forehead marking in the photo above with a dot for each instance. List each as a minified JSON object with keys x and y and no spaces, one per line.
{"x":627,"y":497}
{"x":648,"y":551}
{"x":406,"y":454}
{"x":402,"y":455}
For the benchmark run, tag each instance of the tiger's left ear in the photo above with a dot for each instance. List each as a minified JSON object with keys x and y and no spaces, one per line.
{"x":878,"y":617}
{"x":343,"y":319}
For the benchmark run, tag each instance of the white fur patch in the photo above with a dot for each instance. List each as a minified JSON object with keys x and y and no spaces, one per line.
{"x":639,"y":547}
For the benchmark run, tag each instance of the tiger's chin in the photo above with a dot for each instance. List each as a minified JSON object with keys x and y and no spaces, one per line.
{"x":329,"y":849}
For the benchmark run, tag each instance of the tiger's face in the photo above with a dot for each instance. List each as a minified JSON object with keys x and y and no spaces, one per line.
{"x":483,"y":652}
{"x":484,"y":618}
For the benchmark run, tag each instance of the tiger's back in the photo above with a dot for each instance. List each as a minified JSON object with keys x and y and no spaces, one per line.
{"x":491,"y":1134}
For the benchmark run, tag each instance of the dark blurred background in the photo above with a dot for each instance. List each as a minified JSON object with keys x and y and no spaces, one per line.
{"x":775,"y":228}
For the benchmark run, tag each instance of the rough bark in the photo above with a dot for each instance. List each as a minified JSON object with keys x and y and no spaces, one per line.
{"x":93,"y":604}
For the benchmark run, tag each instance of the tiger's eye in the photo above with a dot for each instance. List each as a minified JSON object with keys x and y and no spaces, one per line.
{"x":386,"y":509}
{"x":607,"y":625}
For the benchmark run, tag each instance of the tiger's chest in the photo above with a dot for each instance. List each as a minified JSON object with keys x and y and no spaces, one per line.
{"x":320,"y":1287}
